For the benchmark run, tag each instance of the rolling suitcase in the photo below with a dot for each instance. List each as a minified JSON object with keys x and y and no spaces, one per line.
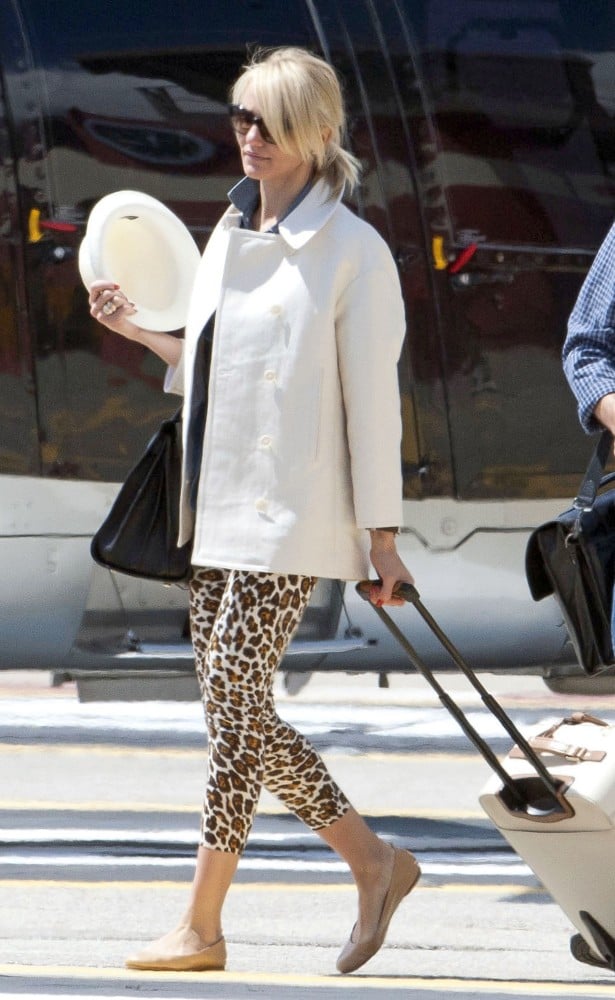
{"x":552,"y":798}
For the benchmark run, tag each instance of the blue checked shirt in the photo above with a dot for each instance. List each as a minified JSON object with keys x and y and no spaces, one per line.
{"x":589,"y":348}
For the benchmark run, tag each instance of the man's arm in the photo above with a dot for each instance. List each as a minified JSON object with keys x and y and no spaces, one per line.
{"x":604,"y":411}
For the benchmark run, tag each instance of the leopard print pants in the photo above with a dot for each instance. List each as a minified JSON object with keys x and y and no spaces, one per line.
{"x":241,"y":624}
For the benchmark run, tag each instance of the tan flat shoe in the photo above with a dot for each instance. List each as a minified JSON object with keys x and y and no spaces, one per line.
{"x":179,"y":951}
{"x":405,"y":875}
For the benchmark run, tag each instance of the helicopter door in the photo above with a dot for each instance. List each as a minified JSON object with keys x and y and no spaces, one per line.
{"x":494,"y":162}
{"x":19,"y":443}
{"x":519,"y":162}
{"x":363,"y":48}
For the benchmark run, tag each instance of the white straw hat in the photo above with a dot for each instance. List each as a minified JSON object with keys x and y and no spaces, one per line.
{"x":139,"y":243}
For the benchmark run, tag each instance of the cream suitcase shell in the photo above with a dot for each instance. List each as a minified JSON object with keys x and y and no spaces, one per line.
{"x":572,"y":855}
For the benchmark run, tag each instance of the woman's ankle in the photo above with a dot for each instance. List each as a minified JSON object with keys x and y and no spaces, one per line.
{"x":208,"y":929}
{"x":375,"y":868}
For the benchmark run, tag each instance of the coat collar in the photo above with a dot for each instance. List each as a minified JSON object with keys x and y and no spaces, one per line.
{"x":303,"y":222}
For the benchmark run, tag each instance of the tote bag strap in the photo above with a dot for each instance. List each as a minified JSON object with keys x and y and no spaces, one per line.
{"x":593,"y":476}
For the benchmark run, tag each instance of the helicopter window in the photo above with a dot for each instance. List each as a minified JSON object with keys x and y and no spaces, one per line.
{"x":145,"y":97}
{"x":522,"y":98}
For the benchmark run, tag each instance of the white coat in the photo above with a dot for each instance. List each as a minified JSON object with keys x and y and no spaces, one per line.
{"x":302,"y":440}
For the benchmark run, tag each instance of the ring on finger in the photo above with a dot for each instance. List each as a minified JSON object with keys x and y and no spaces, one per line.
{"x":109,"y":308}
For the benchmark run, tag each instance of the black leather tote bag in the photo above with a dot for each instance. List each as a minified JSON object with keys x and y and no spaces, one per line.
{"x":573,"y":558}
{"x":139,"y":535}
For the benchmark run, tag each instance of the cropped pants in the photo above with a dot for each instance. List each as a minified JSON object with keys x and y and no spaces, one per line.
{"x":241,"y":624}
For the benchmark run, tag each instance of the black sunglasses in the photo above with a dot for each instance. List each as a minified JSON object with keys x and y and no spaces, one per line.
{"x":242,"y":121}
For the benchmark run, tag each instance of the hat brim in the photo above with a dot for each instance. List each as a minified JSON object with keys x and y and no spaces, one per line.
{"x":139,"y":243}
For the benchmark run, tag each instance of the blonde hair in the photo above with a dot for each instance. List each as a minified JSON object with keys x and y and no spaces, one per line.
{"x":300,"y":99}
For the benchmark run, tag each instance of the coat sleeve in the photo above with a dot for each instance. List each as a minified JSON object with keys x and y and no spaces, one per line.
{"x":589,"y":348}
{"x":370,"y":328}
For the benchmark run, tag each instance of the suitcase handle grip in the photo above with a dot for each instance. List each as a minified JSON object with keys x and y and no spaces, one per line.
{"x":407,"y":591}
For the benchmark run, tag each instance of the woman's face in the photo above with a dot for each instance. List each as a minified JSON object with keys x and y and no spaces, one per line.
{"x":264,"y":161}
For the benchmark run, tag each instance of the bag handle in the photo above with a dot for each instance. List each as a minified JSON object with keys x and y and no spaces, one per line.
{"x":593,"y":479}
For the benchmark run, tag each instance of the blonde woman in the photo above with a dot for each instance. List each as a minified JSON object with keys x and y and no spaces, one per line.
{"x":292,"y":472}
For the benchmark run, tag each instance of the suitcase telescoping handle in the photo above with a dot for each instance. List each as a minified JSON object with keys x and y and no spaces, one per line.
{"x":556,"y":806}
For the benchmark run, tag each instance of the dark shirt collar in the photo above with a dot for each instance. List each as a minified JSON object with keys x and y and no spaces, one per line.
{"x":246,"y":196}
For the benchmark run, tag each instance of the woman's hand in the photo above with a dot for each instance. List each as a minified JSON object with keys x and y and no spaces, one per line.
{"x":110,"y":306}
{"x":389,"y":567}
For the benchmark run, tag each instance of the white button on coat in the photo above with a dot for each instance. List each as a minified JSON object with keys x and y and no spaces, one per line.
{"x":314,"y":313}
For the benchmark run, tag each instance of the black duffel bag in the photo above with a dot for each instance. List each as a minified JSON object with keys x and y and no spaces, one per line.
{"x":573,"y":558}
{"x":139,"y":535}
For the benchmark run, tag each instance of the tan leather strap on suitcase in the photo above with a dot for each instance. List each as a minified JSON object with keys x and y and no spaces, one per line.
{"x":575,"y":720}
{"x":545,"y":743}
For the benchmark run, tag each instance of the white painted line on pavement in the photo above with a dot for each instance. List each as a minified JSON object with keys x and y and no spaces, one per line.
{"x":88,"y":835}
{"x":185,"y":718}
{"x":477,"y":869}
